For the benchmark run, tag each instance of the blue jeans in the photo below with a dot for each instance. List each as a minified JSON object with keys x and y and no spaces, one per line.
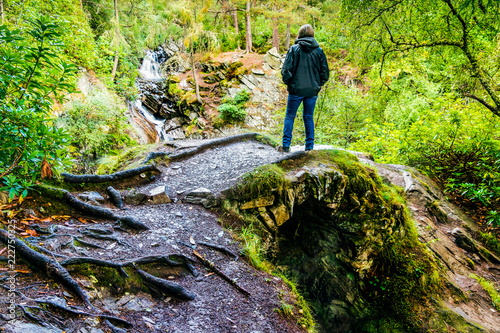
{"x":291,"y":111}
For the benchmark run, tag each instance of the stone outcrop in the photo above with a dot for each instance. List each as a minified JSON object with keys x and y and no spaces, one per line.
{"x":201,"y":196}
{"x":333,"y":226}
{"x":273,"y":59}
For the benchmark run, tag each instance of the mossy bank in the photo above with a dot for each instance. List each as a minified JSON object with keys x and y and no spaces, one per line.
{"x":331,"y":224}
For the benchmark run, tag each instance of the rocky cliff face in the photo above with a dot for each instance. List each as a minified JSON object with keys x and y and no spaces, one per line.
{"x":365,"y":260}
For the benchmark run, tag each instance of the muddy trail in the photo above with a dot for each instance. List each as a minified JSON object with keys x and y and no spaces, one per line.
{"x":184,"y":273}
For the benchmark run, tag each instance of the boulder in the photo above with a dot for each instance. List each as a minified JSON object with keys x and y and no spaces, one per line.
{"x":249,"y":82}
{"x":268,"y":221}
{"x":259,"y":202}
{"x":258,"y":72}
{"x":201,"y":196}
{"x":273,"y":59}
{"x":157,"y":195}
{"x":281,"y":214}
{"x":134,"y":197}
{"x":92,"y":197}
{"x":172,"y":124}
{"x":177,"y":134}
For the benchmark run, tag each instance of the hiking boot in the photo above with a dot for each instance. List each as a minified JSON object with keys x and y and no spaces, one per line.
{"x":286,"y":149}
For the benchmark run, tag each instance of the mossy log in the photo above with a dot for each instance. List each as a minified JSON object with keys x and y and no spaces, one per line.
{"x":117,"y":176}
{"x":201,"y":148}
{"x":47,"y":265}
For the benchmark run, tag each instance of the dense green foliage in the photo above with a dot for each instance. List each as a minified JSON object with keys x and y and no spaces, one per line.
{"x":97,"y":125}
{"x":31,"y":76}
{"x":413,"y":82}
{"x":233,"y":109}
{"x":415,"y":85}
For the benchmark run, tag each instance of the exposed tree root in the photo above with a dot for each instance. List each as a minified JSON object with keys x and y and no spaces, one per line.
{"x":115,"y":196}
{"x":99,"y":231}
{"x":50,"y":253}
{"x":69,"y":178}
{"x":91,"y":210}
{"x":102,"y":212}
{"x":104,"y":237}
{"x":212,"y":266}
{"x":83,"y":313}
{"x":163,"y":285}
{"x":31,"y":316}
{"x":203,"y":147}
{"x":87,"y":244}
{"x":46,"y":264}
{"x":292,"y":156}
{"x":155,"y":154}
{"x":166,"y":286}
{"x":221,"y":249}
{"x":97,"y":262}
{"x":169,"y":259}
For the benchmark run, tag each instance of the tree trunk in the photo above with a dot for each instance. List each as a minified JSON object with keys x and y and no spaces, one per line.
{"x":276,"y":37}
{"x":195,"y":78}
{"x":248,"y":28}
{"x":81,"y":5}
{"x":183,"y":46}
{"x":287,"y":36}
{"x":115,"y":66}
{"x":1,"y":8}
{"x":235,"y":20}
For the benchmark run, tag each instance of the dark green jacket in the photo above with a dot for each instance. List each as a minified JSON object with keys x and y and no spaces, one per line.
{"x":305,"y":69}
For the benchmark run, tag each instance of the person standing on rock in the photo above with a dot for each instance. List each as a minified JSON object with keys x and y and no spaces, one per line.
{"x":304,"y":72}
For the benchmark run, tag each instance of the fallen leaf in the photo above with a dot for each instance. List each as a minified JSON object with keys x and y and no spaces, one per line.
{"x":32,"y":232}
{"x":3,"y":250}
{"x":22,"y":271}
{"x":60,"y":217}
{"x":81,"y":220}
{"x":46,"y":220}
{"x":191,"y":240}
{"x":2,"y":269}
{"x":46,"y":170}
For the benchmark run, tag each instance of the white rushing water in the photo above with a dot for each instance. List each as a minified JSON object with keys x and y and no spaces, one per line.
{"x":157,"y":123}
{"x":150,"y":68}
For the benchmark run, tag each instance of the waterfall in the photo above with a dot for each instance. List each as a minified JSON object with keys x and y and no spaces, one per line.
{"x":158,"y":123}
{"x":150,"y":68}
{"x":150,"y":78}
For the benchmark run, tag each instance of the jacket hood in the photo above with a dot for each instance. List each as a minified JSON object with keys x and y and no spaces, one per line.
{"x":307,"y":44}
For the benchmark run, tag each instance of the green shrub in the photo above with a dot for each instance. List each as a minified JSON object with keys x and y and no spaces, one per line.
{"x":97,"y":124}
{"x":232,"y":110}
{"x":32,"y":75}
{"x":454,"y":142}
